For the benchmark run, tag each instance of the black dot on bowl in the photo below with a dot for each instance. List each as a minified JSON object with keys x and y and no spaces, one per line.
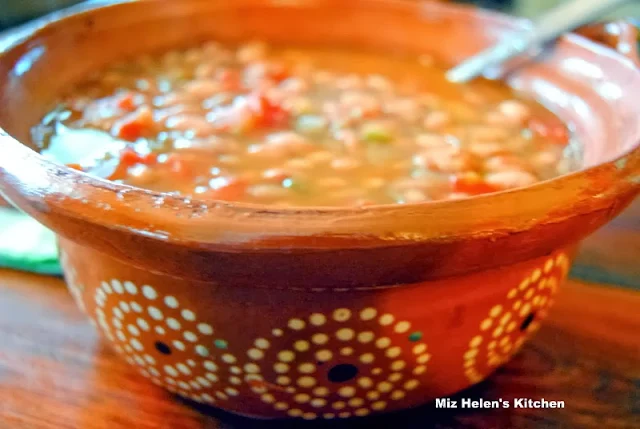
{"x":162,"y":348}
{"x":341,"y":373}
{"x":527,"y":321}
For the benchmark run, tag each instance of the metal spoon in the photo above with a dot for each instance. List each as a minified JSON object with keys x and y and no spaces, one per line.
{"x":548,"y":26}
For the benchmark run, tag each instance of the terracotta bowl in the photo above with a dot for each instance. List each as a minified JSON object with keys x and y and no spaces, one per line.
{"x":318,"y":313}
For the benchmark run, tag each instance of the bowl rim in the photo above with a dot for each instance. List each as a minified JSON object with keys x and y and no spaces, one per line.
{"x":226,"y":225}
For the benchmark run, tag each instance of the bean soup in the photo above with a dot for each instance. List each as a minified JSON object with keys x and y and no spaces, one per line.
{"x":302,"y":127}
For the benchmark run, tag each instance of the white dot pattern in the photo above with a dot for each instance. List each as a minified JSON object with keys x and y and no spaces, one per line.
{"x":307,"y":349}
{"x":507,"y":324}
{"x":185,"y":366}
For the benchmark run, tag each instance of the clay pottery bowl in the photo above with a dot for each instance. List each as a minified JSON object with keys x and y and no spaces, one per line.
{"x":318,"y":313}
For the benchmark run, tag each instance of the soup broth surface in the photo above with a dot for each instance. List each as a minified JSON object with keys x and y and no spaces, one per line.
{"x":301,"y":127}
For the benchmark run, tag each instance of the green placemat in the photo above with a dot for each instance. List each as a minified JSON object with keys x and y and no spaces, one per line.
{"x":26,"y":245}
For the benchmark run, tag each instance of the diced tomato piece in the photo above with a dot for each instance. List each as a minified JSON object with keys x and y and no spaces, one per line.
{"x":120,"y":170}
{"x":129,"y":130}
{"x":254,"y":111}
{"x":277,"y":72}
{"x":130,"y":157}
{"x":150,"y":159}
{"x":229,"y":190}
{"x":371,"y":111}
{"x":119,"y":173}
{"x":556,"y":132}
{"x":243,"y":123}
{"x":273,"y":71}
{"x":472,"y":185}
{"x":268,"y":114}
{"x":75,"y":167}
{"x":134,"y":125}
{"x":126,"y":102}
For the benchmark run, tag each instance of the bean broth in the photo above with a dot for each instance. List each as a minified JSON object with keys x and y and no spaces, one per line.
{"x":302,"y":127}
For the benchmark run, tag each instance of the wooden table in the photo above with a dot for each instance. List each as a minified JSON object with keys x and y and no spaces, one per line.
{"x":55,"y":373}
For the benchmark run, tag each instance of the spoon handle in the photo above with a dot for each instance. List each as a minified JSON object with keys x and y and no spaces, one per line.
{"x":546,"y":27}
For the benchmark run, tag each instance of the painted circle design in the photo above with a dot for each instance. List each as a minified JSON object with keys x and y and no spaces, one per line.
{"x":508,"y":323}
{"x":179,"y":352}
{"x":339,"y":364}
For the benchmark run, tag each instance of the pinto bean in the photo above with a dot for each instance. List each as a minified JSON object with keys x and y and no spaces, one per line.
{"x":162,"y":115}
{"x":352,"y":81}
{"x":171,"y":99}
{"x":495,"y":119}
{"x":360,"y":105}
{"x":349,"y":140}
{"x":345,"y":164}
{"x":545,"y":159}
{"x":298,"y":164}
{"x":511,"y":179}
{"x":505,"y":163}
{"x":445,"y":159}
{"x":252,"y":52}
{"x":429,"y":141}
{"x":282,"y":145}
{"x":276,"y":174}
{"x":195,"y":124}
{"x":294,"y":85}
{"x":202,"y":88}
{"x":413,"y":196}
{"x":456,"y":196}
{"x":213,"y":145}
{"x":483,"y":149}
{"x":514,"y":111}
{"x":407,"y":109}
{"x":319,"y":157}
{"x":379,"y":83}
{"x":436,"y":120}
{"x":293,"y":141}
{"x":229,"y":160}
{"x":489,"y":133}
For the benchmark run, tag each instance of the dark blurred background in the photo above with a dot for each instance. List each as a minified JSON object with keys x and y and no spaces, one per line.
{"x":13,"y":12}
